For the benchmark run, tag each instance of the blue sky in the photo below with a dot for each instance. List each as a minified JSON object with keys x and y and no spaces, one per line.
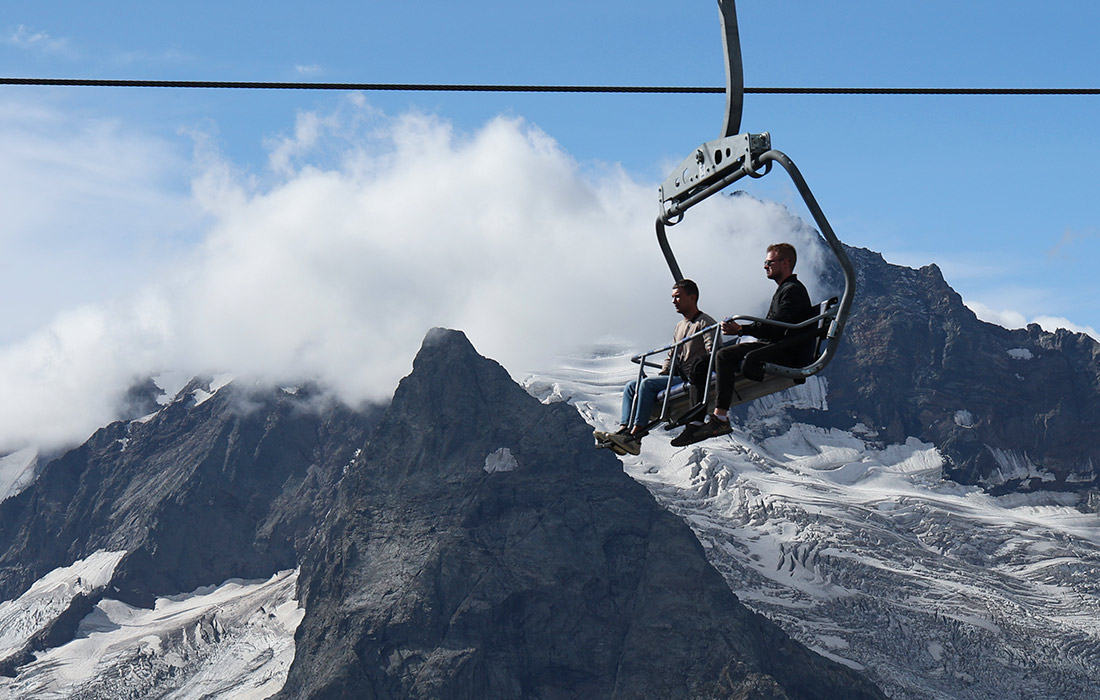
{"x":104,"y":187}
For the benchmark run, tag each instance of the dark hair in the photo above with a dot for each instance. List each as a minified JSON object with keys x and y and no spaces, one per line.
{"x":687,"y":287}
{"x":785,"y":251}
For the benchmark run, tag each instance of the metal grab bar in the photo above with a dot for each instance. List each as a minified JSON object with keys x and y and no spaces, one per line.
{"x":674,"y":345}
{"x":829,"y":313}
{"x":674,"y":348}
{"x":716,"y":329}
{"x":783,"y":324}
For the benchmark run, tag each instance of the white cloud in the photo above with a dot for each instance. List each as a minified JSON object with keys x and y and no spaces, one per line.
{"x":1014,"y":319}
{"x":1073,"y":243}
{"x":1001,"y":317}
{"x":1053,"y":323}
{"x":91,"y":208}
{"x":336,"y":268}
{"x":26,"y":38}
{"x":64,"y":381}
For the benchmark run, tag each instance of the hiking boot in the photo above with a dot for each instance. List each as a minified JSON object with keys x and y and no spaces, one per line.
{"x":603,"y":436}
{"x":631,"y":444}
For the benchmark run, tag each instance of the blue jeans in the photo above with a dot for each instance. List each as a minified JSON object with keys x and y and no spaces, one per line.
{"x":651,"y":386}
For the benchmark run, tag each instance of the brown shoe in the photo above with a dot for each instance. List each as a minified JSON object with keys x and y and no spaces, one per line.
{"x":630,"y":444}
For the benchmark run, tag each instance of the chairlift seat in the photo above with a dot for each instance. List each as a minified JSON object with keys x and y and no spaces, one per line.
{"x":745,"y":389}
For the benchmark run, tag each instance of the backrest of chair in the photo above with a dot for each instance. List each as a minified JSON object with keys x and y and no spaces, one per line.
{"x":823,"y":325}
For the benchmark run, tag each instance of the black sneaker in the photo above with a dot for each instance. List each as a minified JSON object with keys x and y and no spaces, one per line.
{"x":684,"y":438}
{"x":713,"y":427}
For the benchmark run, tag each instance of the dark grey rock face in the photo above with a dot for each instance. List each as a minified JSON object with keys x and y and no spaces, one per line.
{"x":197,"y":494}
{"x":916,"y":362}
{"x":481,"y":548}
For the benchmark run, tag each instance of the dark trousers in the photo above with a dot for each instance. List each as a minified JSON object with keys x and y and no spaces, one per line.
{"x":695,"y":374}
{"x":728,"y":365}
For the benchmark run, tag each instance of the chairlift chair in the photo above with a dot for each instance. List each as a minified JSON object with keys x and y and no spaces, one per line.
{"x":711,"y":168}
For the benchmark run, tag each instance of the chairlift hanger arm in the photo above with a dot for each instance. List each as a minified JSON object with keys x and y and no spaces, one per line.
{"x":714,"y":166}
{"x":735,"y":74}
{"x":687,"y":193}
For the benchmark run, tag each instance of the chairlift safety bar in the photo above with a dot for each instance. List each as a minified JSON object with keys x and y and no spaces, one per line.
{"x":716,"y":329}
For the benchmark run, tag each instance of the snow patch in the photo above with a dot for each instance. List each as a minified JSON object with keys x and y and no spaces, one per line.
{"x":170,"y":384}
{"x":500,"y":461}
{"x":201,"y":396}
{"x":230,"y":642}
{"x":17,"y":472}
{"x":50,"y":596}
{"x":811,"y":395}
{"x":1015,"y":465}
{"x":844,"y":459}
{"x":1020,"y":354}
{"x":964,"y":419}
{"x":864,"y":431}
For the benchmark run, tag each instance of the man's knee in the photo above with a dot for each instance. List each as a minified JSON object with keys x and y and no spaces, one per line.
{"x":698,"y":375}
{"x":731,"y":355}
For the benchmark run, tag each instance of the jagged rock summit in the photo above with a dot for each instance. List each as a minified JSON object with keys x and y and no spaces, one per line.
{"x":480,"y":548}
{"x":1011,"y":409}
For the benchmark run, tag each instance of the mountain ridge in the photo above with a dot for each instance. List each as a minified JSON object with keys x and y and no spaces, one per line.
{"x":551,"y":582}
{"x":921,"y":390}
{"x":465,"y":541}
{"x":1011,"y":409}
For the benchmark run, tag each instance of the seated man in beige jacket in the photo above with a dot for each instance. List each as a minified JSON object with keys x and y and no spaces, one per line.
{"x":690,"y":366}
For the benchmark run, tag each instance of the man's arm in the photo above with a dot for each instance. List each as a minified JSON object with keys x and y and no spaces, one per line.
{"x":679,"y":332}
{"x":791,"y":304}
{"x":708,"y":338}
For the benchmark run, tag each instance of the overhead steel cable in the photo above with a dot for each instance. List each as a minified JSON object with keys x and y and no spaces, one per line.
{"x":433,"y":87}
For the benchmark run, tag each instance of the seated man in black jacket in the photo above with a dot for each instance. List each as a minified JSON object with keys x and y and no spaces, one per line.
{"x":790,"y":304}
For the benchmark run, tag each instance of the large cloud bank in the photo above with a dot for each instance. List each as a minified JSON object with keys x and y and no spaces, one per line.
{"x":364,"y":232}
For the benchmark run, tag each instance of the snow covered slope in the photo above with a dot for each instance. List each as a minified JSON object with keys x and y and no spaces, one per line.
{"x":49,"y":598}
{"x":866,"y":553}
{"x":17,"y":471}
{"x":230,"y":642}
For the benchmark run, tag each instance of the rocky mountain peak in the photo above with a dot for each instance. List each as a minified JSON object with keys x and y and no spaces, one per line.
{"x":215,"y":485}
{"x":481,"y":548}
{"x":1007,"y":408}
{"x":452,"y":412}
